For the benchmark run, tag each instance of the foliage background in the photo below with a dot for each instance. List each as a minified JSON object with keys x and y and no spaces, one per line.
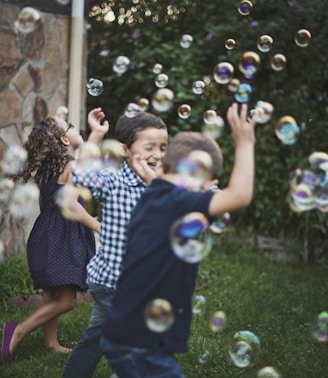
{"x":149,"y":32}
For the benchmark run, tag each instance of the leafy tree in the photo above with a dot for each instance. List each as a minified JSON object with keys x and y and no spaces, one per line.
{"x":149,"y":32}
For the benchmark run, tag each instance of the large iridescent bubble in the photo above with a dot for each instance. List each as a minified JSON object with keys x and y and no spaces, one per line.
{"x":309,"y":185}
{"x":249,"y":63}
{"x":244,"y":350}
{"x":287,"y":130}
{"x":223,"y":72}
{"x":190,"y":238}
{"x":243,"y":93}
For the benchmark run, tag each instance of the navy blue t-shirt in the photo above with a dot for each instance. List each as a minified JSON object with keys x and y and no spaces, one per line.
{"x":151,"y":270}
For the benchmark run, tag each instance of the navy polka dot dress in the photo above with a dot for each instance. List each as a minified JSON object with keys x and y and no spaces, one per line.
{"x":58,"y":249}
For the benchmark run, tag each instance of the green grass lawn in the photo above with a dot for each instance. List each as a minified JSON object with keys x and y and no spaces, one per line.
{"x":278,"y":302}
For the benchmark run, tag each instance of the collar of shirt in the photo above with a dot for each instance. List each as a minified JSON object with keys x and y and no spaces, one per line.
{"x":130,"y":177}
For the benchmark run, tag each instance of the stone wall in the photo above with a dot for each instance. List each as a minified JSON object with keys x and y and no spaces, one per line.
{"x":34,"y":73}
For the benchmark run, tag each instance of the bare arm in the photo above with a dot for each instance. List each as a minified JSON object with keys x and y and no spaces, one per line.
{"x":239,"y":192}
{"x":98,"y":128}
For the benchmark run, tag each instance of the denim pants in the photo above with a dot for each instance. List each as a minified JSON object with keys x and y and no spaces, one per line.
{"x":83,"y":360}
{"x":131,"y":362}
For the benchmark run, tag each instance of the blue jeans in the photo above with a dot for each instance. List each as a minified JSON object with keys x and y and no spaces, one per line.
{"x":131,"y":362}
{"x":83,"y":360}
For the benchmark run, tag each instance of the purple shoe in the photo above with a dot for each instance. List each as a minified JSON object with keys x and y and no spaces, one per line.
{"x":7,"y":334}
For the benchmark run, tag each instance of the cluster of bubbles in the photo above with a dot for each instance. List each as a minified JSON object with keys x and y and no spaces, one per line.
{"x":17,"y":198}
{"x":309,"y":185}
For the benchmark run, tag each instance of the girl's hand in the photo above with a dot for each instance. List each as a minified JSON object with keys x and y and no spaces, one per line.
{"x":95,"y":118}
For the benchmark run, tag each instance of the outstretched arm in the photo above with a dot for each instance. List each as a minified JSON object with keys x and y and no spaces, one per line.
{"x":98,"y":126}
{"x":239,"y":191}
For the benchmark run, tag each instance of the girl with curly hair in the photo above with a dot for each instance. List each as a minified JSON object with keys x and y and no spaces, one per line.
{"x":58,"y":249}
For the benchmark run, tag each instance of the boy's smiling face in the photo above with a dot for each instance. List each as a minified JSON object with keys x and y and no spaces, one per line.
{"x":150,"y":144}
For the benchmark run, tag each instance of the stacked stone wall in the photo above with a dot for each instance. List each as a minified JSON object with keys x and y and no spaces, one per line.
{"x":34,"y":72}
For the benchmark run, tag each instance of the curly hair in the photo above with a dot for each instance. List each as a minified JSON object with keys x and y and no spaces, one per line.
{"x":46,"y":155}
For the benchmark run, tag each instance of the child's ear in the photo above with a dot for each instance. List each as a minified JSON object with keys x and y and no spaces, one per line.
{"x":65,"y":140}
{"x":125,"y":150}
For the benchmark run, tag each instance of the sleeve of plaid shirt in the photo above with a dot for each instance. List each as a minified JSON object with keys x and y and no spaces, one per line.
{"x":98,"y":182}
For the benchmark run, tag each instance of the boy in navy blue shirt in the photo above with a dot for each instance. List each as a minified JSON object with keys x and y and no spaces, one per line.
{"x":151,"y":272}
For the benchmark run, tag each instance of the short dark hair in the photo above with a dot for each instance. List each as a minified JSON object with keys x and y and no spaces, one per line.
{"x":127,"y":128}
{"x":186,"y":142}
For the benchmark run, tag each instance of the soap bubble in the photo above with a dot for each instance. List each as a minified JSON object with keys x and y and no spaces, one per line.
{"x":233,"y":85}
{"x":264,"y":111}
{"x":195,"y":169}
{"x":62,"y":112}
{"x":143,"y":104}
{"x":264,"y":43}
{"x":157,"y":68}
{"x":223,"y":72}
{"x":198,"y":86}
{"x":88,"y":158}
{"x":6,"y":188}
{"x":190,"y":237}
{"x":131,"y":110}
{"x":230,"y":44}
{"x":198,"y":306}
{"x":302,"y":38}
{"x":162,"y":99}
{"x":159,"y":315}
{"x":278,"y":62}
{"x":245,"y":349}
{"x":184,"y":111}
{"x":320,"y":331}
{"x":186,"y":41}
{"x":213,"y":128}
{"x":243,"y":92}
{"x":111,"y":154}
{"x":287,"y":130}
{"x":209,"y":116}
{"x":27,"y":21}
{"x":24,"y":200}
{"x":245,"y":7}
{"x":14,"y":160}
{"x":63,"y":2}
{"x":204,"y":357}
{"x":217,"y":321}
{"x":249,"y":63}
{"x":268,"y":372}
{"x":161,"y":80}
{"x":95,"y":87}
{"x":121,"y":64}
{"x":220,"y":223}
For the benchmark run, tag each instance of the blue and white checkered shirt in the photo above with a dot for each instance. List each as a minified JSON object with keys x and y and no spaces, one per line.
{"x":118,"y":194}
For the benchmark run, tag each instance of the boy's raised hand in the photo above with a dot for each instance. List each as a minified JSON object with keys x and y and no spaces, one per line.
{"x":98,"y":127}
{"x":242,"y":130}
